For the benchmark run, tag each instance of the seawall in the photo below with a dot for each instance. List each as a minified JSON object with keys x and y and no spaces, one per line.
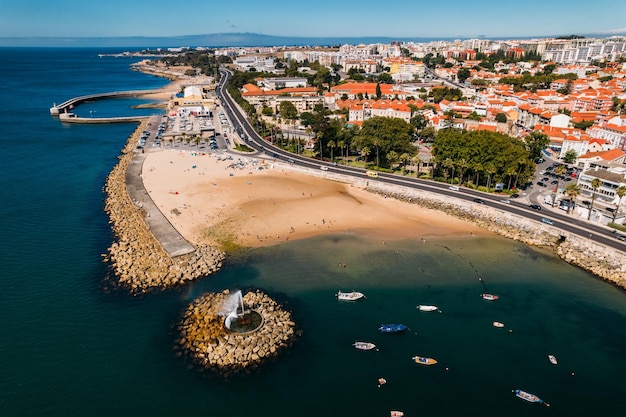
{"x":137,"y":258}
{"x":603,"y":261}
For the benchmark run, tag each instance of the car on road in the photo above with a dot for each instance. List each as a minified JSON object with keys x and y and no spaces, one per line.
{"x":479,"y":201}
{"x":453,"y":188}
{"x":622,"y":238}
{"x":505,"y":201}
{"x":547,"y":221}
{"x":323,"y":168}
{"x":515,"y":195}
{"x":535,"y":206}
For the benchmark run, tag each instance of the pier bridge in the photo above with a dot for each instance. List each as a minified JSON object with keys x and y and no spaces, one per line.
{"x":57,"y":109}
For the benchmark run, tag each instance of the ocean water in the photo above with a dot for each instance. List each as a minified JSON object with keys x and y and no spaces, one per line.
{"x":71,"y":347}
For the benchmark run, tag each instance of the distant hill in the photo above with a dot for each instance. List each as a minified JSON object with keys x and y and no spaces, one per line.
{"x":220,"y":40}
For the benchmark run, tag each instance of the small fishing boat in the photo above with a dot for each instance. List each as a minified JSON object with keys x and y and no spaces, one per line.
{"x":489,"y":297}
{"x":364,"y":345}
{"x":498,"y":324}
{"x":392,"y":328}
{"x":423,"y":360}
{"x":396,"y":413}
{"x":422,"y":307}
{"x":349,"y":296}
{"x":381,"y":382}
{"x":527,"y":396}
{"x":552,"y":359}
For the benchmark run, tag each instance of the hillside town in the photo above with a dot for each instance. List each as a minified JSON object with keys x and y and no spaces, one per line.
{"x":572,"y":90}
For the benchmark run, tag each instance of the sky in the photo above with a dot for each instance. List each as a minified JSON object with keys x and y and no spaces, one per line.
{"x":317,"y":18}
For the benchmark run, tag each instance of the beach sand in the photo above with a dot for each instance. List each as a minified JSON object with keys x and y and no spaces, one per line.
{"x":254,"y":202}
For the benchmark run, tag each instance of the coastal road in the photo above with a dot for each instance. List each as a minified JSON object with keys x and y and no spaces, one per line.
{"x":562,"y":221}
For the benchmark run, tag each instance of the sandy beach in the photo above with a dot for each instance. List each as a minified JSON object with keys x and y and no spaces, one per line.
{"x":254,"y":202}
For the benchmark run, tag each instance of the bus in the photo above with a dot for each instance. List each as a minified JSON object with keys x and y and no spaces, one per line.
{"x":372,"y":174}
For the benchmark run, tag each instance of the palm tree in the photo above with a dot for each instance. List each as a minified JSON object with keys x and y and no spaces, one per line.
{"x":478,"y":168}
{"x":621,"y":192}
{"x":392,"y":157}
{"x":521,"y":163}
{"x":595,"y":184}
{"x":341,"y":144}
{"x":377,"y":142}
{"x":447,"y":164}
{"x":490,"y":169}
{"x":510,"y":172}
{"x":417,"y":160}
{"x":463,"y":164}
{"x":559,"y":170}
{"x":405,"y":158}
{"x":572,"y":191}
{"x":332,"y":145}
{"x":365,"y":152}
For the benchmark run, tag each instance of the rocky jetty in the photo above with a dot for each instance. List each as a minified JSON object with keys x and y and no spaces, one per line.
{"x":138,"y":260}
{"x":602,"y":261}
{"x":209,"y":344}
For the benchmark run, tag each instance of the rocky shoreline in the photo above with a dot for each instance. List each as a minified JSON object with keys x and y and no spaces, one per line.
{"x":139,"y":262}
{"x":208,"y":344}
{"x":603,"y":261}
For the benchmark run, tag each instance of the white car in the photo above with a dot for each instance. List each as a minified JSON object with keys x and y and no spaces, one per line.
{"x":323,"y":168}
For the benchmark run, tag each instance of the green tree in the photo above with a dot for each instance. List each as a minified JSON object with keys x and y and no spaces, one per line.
{"x":572,"y":191}
{"x":392,"y":158}
{"x":501,"y":118}
{"x":332,"y":145}
{"x":418,"y":121}
{"x":570,"y":156}
{"x":536,"y":142}
{"x":621,"y":192}
{"x":595,"y":184}
{"x":287,"y":110}
{"x":385,"y":134}
{"x":463,"y":74}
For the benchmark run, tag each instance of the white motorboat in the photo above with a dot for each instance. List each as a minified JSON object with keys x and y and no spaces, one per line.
{"x":349,"y":296}
{"x":552,"y":359}
{"x":423,"y":307}
{"x":498,"y":324}
{"x":364,"y":345}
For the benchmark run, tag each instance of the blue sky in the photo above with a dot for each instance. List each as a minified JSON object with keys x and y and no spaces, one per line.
{"x":319,"y":18}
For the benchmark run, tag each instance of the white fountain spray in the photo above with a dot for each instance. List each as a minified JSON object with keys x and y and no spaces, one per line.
{"x":230,"y":307}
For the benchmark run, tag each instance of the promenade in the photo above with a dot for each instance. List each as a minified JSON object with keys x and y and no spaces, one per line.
{"x":173,"y":243}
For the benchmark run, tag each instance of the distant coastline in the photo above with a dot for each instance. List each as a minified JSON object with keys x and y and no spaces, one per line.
{"x":221,"y":40}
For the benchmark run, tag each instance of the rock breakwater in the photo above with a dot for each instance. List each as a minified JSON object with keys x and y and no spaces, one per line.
{"x":603,"y":261}
{"x":137,"y":259}
{"x":206,"y":341}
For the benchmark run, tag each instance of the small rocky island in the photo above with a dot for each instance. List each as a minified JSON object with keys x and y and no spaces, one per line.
{"x":230,"y":332}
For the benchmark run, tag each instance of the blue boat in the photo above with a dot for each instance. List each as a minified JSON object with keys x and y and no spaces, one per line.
{"x":392,"y":328}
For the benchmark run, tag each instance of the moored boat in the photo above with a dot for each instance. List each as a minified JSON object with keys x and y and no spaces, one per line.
{"x":424,"y":360}
{"x":527,"y":396}
{"x":489,"y":297}
{"x":349,"y":296}
{"x":498,"y":324}
{"x":396,"y":413}
{"x":552,"y":359}
{"x":364,"y":345}
{"x":392,"y":328}
{"x":423,"y":307}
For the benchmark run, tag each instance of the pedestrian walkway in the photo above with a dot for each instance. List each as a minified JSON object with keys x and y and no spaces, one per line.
{"x":171,"y":241}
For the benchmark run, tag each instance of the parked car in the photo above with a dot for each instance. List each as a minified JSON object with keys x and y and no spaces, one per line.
{"x":515,"y":195}
{"x":535,"y":206}
{"x":541,"y":184}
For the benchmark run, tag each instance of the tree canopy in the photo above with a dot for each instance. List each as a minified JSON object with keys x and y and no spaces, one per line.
{"x":496,"y":155}
{"x":383,"y":135}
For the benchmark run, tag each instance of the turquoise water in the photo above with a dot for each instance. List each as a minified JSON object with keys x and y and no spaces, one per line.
{"x":71,"y":347}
